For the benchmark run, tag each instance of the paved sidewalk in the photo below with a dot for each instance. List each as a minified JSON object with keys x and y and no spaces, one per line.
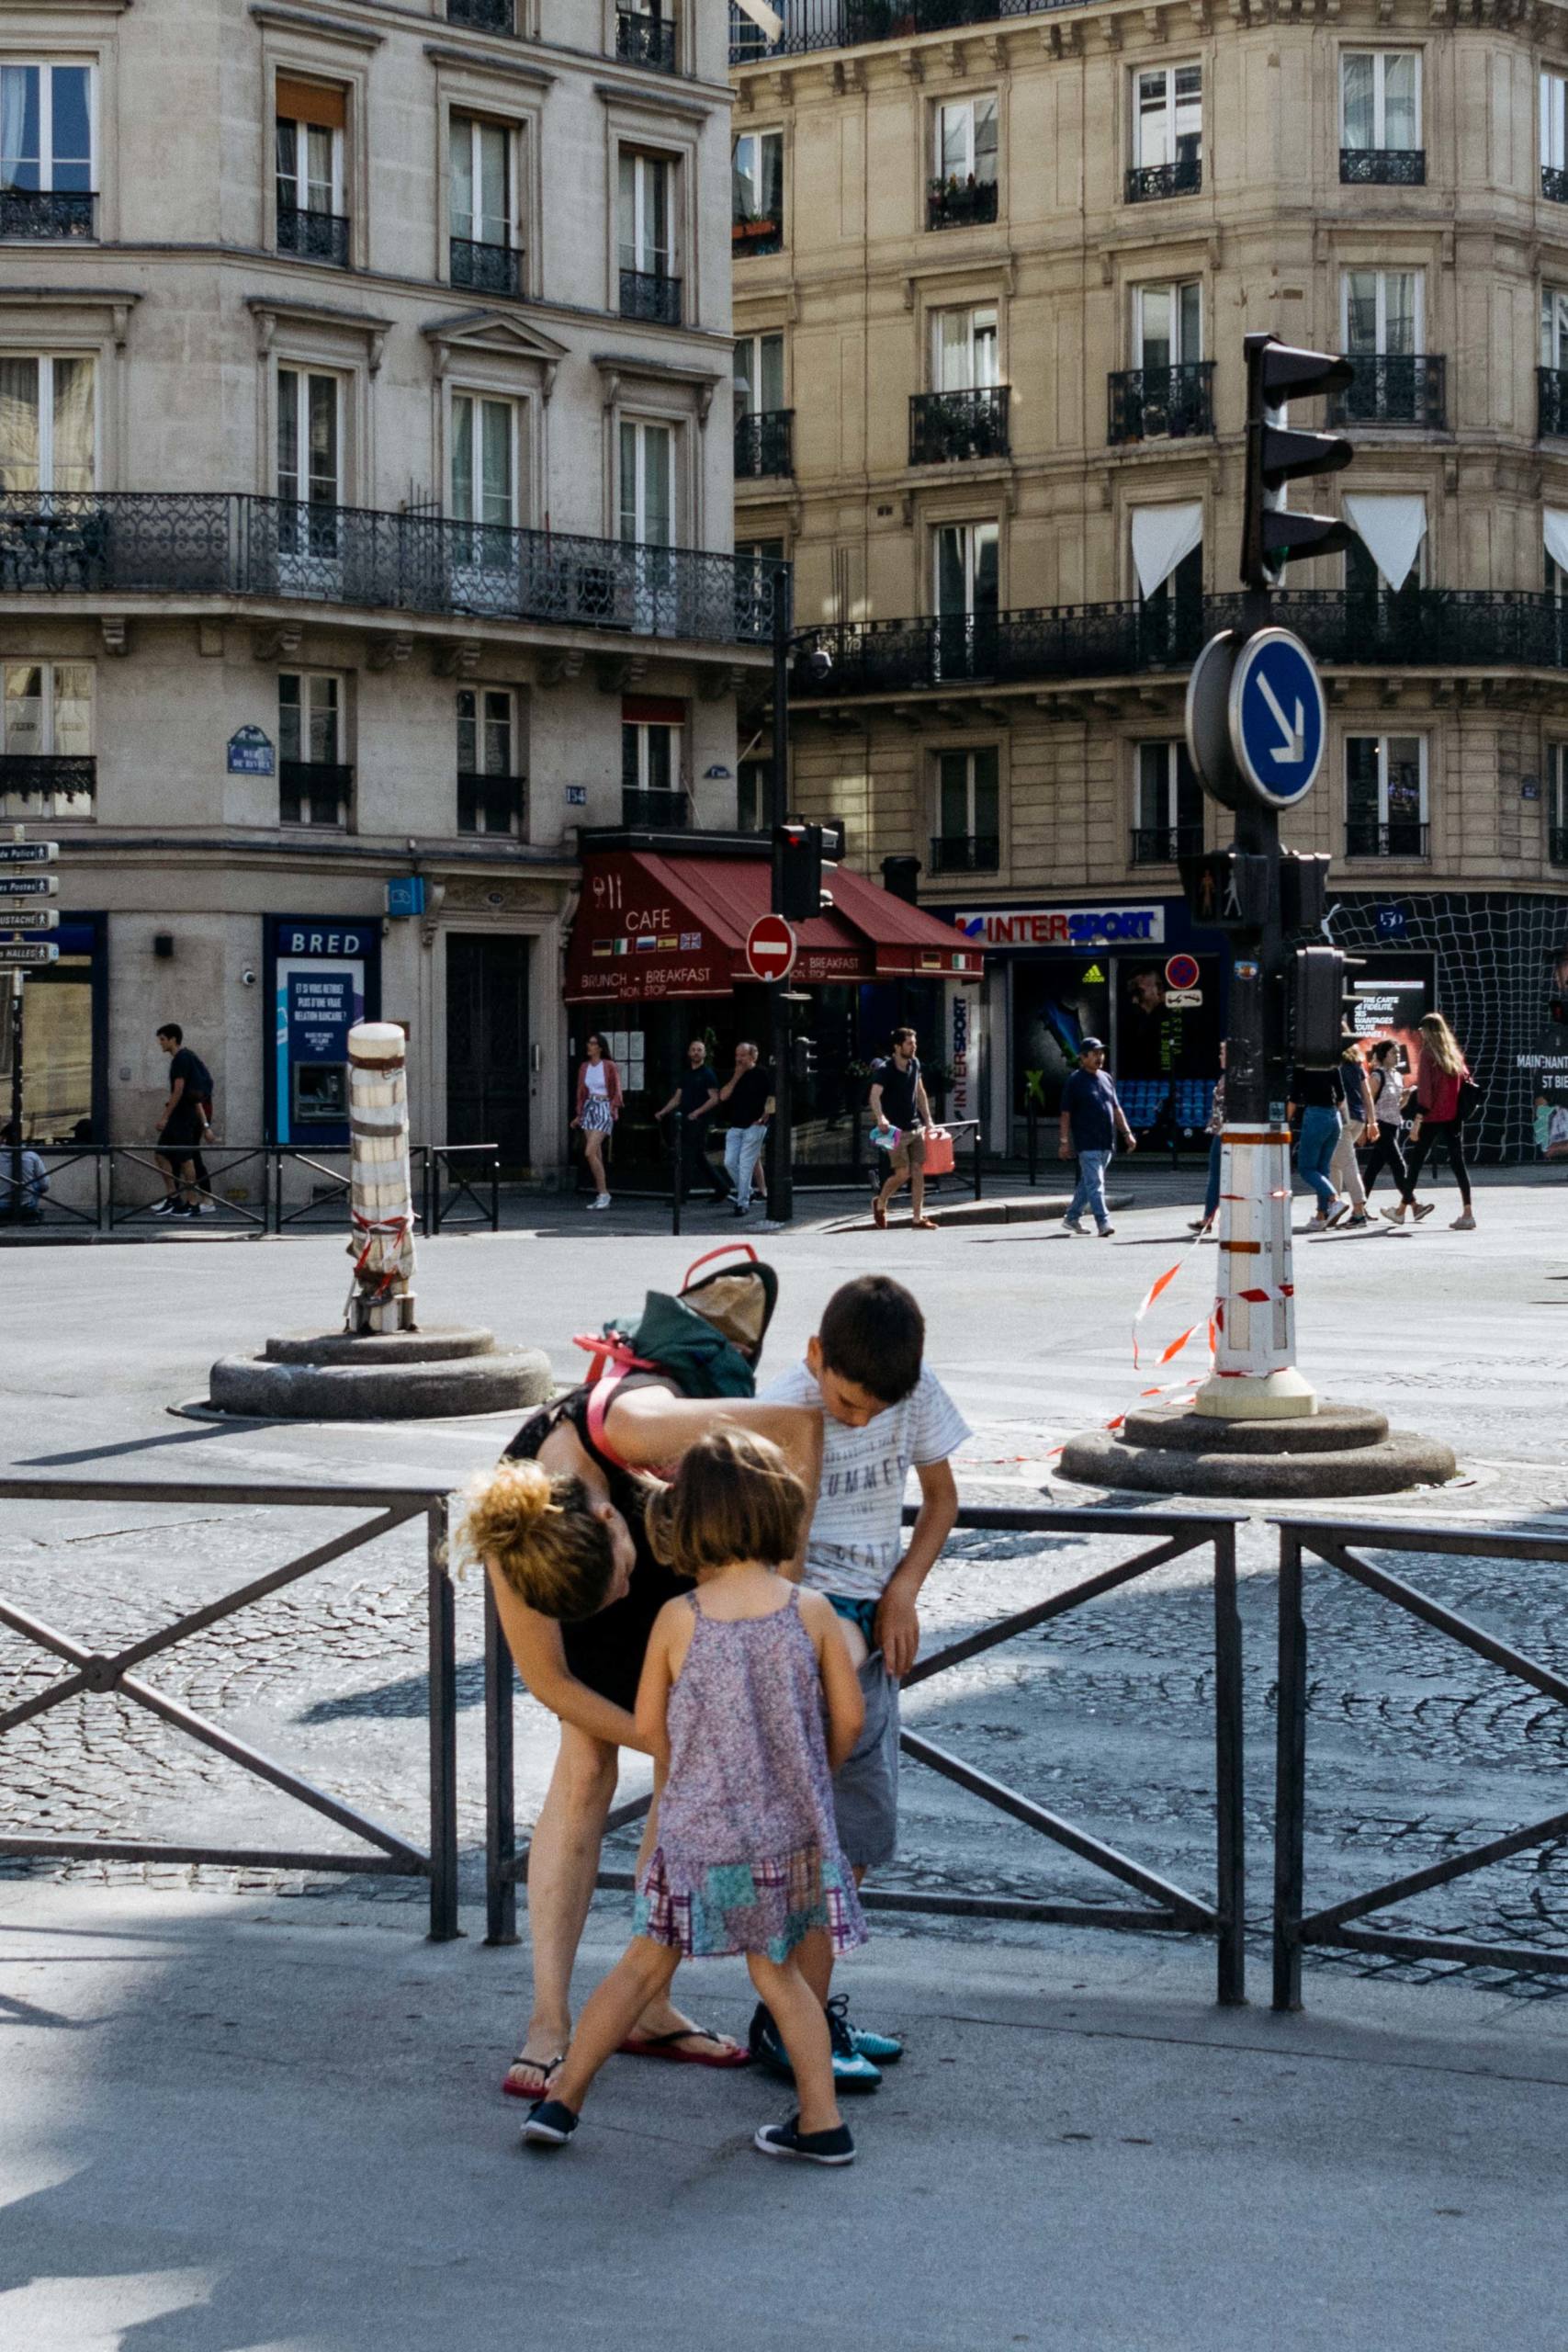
{"x":227,"y":2125}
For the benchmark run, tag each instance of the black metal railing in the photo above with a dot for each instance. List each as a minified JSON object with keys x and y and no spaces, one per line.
{"x":483,"y":268}
{"x":850,"y":23}
{"x":46,"y":214}
{"x":1383,"y":166}
{"x":646,"y":294}
{"x":249,"y":1190}
{"x":1390,"y":389}
{"x":233,"y":544}
{"x":31,"y":776}
{"x":1148,"y":183}
{"x":1405,"y":837}
{"x":1557,"y":845}
{"x":1550,"y":402}
{"x":949,"y":426}
{"x":764,"y":443}
{"x":965,"y":853}
{"x":1163,"y":844}
{"x":314,"y":236}
{"x":645,"y":40}
{"x":489,"y":804}
{"x":1554,"y":184}
{"x":1161,"y":403}
{"x":960,"y":204}
{"x":313,"y":792}
{"x":665,"y":812}
{"x":481,"y":16}
{"x":751,"y":238}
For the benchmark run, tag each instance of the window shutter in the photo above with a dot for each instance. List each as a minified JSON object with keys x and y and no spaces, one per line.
{"x":312,"y":102}
{"x":652,"y":710}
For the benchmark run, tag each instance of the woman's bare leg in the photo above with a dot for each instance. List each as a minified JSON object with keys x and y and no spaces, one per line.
{"x":638,"y":1981}
{"x":563,"y":1862}
{"x":593,"y":1152}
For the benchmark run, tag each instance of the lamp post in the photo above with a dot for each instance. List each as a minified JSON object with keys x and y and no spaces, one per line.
{"x":780,"y":1178}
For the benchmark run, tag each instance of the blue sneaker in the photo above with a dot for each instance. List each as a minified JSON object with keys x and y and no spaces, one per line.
{"x":882,"y":2049}
{"x":852,"y":2070}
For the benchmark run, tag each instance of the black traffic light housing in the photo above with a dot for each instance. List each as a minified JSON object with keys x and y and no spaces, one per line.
{"x":803,"y":1059}
{"x":1271,"y":534}
{"x":1304,"y":890}
{"x":801,"y":852}
{"x":1319,"y":995}
{"x":1229,"y":889}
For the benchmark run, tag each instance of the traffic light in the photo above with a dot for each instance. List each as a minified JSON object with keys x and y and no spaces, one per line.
{"x":1318,"y":999}
{"x":1271,"y":534}
{"x":803,"y":1059}
{"x":1303,"y":890}
{"x":798,"y":861}
{"x":1229,"y":889}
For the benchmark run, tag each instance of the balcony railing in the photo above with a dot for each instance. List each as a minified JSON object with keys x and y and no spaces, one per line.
{"x":945,"y":426}
{"x":850,"y":24}
{"x":489,"y":804}
{"x":1405,"y":837}
{"x":1149,"y":183}
{"x":1163,"y":844}
{"x":1551,"y":400}
{"x":1554,"y":184}
{"x":486,"y":269}
{"x":26,"y":775}
{"x":764,"y":443}
{"x":1557,"y":845}
{"x":481,"y":16}
{"x":1383,"y":166}
{"x":46,"y":214}
{"x":750,"y":239}
{"x":1388,"y":389}
{"x":645,"y":294}
{"x":313,"y":792}
{"x":1162,"y":403}
{"x":314,"y":236}
{"x":217,"y":543}
{"x":960,"y":204}
{"x":645,"y":40}
{"x":666,"y":812}
{"x":965,"y":853}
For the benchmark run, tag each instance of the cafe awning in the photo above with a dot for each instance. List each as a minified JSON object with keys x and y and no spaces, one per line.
{"x":652,"y":924}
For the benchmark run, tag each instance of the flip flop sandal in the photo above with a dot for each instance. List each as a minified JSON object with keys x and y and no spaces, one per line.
{"x":543,"y":2067}
{"x":667,"y":2046}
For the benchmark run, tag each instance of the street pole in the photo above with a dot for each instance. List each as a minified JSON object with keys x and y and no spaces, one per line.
{"x":18,"y":982}
{"x":781,"y":1181}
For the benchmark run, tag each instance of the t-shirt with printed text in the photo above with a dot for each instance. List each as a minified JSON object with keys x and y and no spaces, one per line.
{"x":857,"y":1535}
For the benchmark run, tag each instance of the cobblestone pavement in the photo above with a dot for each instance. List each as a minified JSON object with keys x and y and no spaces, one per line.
{"x":1417,"y":1749}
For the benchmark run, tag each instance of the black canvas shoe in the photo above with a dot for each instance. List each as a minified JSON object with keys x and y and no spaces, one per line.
{"x":834,"y":2147}
{"x":549,"y":2125}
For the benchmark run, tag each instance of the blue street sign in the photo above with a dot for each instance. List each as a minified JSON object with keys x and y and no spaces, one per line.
{"x":1277,"y":717}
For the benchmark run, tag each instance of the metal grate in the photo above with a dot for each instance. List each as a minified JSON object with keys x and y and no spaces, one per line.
{"x":486,"y":269}
{"x":960,"y":204}
{"x":1161,"y":403}
{"x":1148,"y":183}
{"x":314,"y":236}
{"x":51,"y":213}
{"x":646,"y":294}
{"x":1383,"y":166}
{"x":1394,"y":389}
{"x":764,"y":443}
{"x":645,"y":40}
{"x":945,"y":426}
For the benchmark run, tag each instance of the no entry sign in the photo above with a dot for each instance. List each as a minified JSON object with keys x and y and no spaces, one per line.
{"x":772,"y":948}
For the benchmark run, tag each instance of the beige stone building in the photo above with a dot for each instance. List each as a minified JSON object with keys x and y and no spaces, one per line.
{"x":364,"y":526}
{"x":994,"y":268}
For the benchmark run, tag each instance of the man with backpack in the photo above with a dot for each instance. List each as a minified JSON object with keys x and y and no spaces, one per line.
{"x":183,"y":1125}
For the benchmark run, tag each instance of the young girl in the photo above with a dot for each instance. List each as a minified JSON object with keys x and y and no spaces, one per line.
{"x":738,"y":1678}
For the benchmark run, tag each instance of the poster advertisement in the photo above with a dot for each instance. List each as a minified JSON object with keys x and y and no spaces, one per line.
{"x":323,"y":977}
{"x":1543,"y":1065}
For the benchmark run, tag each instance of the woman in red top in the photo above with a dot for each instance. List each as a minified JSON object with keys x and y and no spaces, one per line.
{"x":1443,"y":1073}
{"x":598,"y":1108}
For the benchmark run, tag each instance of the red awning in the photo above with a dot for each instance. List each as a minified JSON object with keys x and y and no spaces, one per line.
{"x":651,"y":926}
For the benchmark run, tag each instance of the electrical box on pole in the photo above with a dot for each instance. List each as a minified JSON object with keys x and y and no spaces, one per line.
{"x":1271,"y":534}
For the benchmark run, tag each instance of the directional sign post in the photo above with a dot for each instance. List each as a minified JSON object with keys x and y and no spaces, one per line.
{"x":26,"y":892}
{"x":1277,"y":718}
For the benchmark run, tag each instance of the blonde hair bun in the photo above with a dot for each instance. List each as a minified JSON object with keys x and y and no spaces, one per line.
{"x":501,"y":1506}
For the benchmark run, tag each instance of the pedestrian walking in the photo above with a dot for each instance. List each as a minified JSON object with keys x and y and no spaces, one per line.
{"x":748,"y":1096}
{"x":1317,"y":1100}
{"x":747,"y":1704}
{"x":696,"y":1091}
{"x":1216,"y":1151}
{"x":1092,"y":1120}
{"x":598,"y":1107}
{"x":903,"y":1114}
{"x":1387,"y":1082}
{"x":182,"y":1126}
{"x":23,"y":1206}
{"x":1344,"y":1169}
{"x":1443,"y":1090}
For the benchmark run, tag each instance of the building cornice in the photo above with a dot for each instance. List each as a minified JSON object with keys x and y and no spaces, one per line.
{"x":614,"y":364}
{"x":471,"y":61}
{"x":267,"y":308}
{"x":294,"y":20}
{"x":647,"y":101}
{"x":119,"y":300}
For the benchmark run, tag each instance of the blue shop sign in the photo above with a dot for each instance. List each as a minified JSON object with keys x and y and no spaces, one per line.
{"x":405,"y":895}
{"x":251,"y":752}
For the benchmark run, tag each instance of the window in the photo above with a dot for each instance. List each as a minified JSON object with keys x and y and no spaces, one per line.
{"x":964,"y":162}
{"x":968,"y":821}
{"x":47,"y":166}
{"x":313,"y":783}
{"x":966,"y":556}
{"x":1385,"y":331}
{"x":964,"y":350}
{"x":1557,"y":803}
{"x":1169,"y":389}
{"x":762,"y":423}
{"x":1385,"y":796}
{"x":1167,"y":325}
{"x":310,"y":483}
{"x":48,"y":423}
{"x":754,"y":796}
{"x":1170,"y":617}
{"x":483,"y":254}
{"x":1380,"y":118}
{"x":647,"y":289}
{"x":311,"y":124}
{"x":1167,"y":132}
{"x":756,"y":564}
{"x":1555,"y":326}
{"x":652,"y":790}
{"x":645,"y":34}
{"x":965,"y":413}
{"x":1554,"y":137}
{"x":484,"y":462}
{"x":1381,"y":311}
{"x":756,"y":184}
{"x":648,"y":517}
{"x":490,"y":789}
{"x":1167,"y":821}
{"x":47,"y":767}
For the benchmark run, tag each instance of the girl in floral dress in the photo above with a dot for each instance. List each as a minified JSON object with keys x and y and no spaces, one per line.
{"x":749,"y":1704}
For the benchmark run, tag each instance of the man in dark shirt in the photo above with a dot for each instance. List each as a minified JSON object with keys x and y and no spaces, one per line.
{"x":898,"y":1106}
{"x":696,"y":1091}
{"x":183,"y":1124}
{"x":1091,"y":1120}
{"x":748,"y":1097}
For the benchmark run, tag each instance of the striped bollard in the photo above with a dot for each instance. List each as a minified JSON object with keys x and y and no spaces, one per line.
{"x":1255,"y":1376}
{"x":381,"y":1297}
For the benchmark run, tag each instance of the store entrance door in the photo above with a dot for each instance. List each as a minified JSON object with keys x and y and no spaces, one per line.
{"x":487,"y":1046}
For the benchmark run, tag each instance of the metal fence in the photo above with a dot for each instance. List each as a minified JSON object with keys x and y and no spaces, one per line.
{"x":99,"y":1672}
{"x":254,"y":1189}
{"x":1340,"y":1544}
{"x":1166,"y":1907}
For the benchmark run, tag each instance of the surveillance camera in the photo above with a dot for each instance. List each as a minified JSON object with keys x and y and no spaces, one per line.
{"x":247,"y":978}
{"x":820,"y":663}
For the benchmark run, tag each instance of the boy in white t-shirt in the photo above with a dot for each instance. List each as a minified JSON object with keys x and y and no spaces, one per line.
{"x":883,"y":1415}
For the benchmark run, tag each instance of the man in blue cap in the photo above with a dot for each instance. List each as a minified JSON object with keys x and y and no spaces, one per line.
{"x":1092,"y":1119}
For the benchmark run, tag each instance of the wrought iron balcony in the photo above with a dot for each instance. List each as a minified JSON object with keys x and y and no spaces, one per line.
{"x":486,"y":269}
{"x":313,"y":792}
{"x":26,"y":776}
{"x":1162,"y":403}
{"x":945,"y":426}
{"x":646,"y":294}
{"x":1557,"y":845}
{"x":1149,"y":183}
{"x":850,"y":23}
{"x":645,"y":40}
{"x":752,"y":238}
{"x":960,"y":204}
{"x":1383,"y":166}
{"x":219,"y":543}
{"x":665,"y":812}
{"x":1405,"y":837}
{"x":1553,"y":184}
{"x":489,"y":804}
{"x":1387,"y":390}
{"x":764,"y":443}
{"x":965,"y":853}
{"x":1551,"y":400}
{"x":1163,"y":844}
{"x":481,"y":16}
{"x":46,"y":214}
{"x":314,"y":236}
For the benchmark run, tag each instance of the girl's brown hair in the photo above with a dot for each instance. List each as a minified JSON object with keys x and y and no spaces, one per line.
{"x":1438,"y":1040}
{"x":734,"y":1497}
{"x":543,"y":1536}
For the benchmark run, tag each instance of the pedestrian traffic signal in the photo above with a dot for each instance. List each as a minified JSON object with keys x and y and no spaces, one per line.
{"x":798,"y":859}
{"x":803,"y":1058}
{"x":1304,"y":890}
{"x":1319,"y":996}
{"x":1271,"y":534}
{"x":1229,"y":889}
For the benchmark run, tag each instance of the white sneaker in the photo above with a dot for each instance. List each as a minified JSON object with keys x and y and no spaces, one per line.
{"x":1465,"y":1224}
{"x":602,"y":1202}
{"x":1071,"y":1225}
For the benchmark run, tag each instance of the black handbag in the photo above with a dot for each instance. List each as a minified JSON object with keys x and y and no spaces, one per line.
{"x":1469,"y":1098}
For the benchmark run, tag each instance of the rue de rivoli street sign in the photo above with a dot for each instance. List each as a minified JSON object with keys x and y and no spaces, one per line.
{"x":1256,"y":718}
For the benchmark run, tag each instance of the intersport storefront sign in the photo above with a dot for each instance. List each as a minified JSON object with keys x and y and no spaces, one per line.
{"x":1066,"y":927}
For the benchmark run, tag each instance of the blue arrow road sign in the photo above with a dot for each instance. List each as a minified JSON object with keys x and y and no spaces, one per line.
{"x":1277,"y":717}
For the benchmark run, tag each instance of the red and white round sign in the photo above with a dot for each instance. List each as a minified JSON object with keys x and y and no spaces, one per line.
{"x":772,"y":948}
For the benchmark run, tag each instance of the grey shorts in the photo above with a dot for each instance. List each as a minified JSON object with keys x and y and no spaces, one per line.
{"x":865,"y":1791}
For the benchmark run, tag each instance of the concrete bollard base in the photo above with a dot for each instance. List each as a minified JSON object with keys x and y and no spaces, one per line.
{"x":392,"y":1376}
{"x":1340,"y":1450}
